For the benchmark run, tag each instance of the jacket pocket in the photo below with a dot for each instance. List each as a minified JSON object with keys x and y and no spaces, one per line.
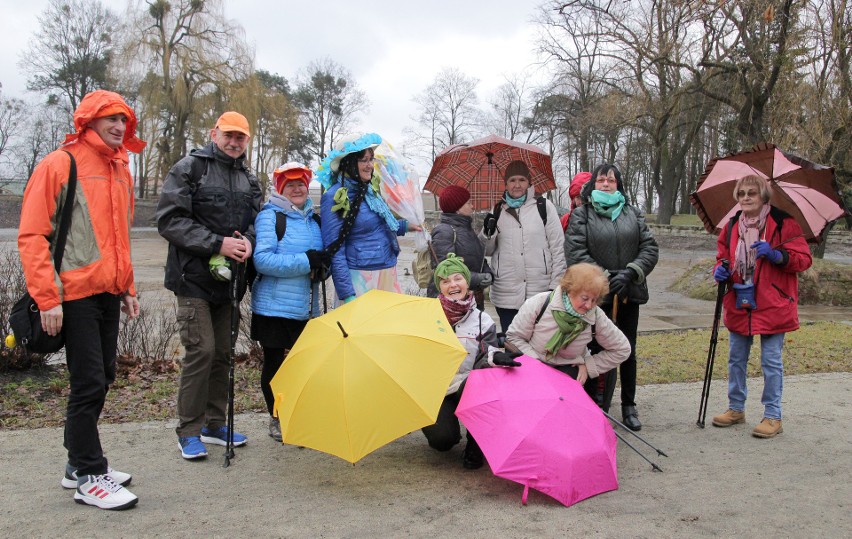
{"x":784,"y":295}
{"x":368,"y":255}
{"x":187,"y":319}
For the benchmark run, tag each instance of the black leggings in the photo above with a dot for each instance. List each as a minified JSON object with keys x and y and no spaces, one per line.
{"x":272,"y":360}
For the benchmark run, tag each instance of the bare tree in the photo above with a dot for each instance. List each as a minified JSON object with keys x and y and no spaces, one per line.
{"x":190,"y":49}
{"x":447,"y":110}
{"x":329,"y":100}
{"x":13,"y":113}
{"x":750,"y":45}
{"x":71,"y":49}
{"x":45,"y":129}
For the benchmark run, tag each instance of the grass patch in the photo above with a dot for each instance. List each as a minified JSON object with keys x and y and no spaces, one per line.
{"x":37,"y":398}
{"x":814,"y":348}
{"x":824,"y":283}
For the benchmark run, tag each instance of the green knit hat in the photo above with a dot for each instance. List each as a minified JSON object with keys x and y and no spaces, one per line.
{"x":453,"y":264}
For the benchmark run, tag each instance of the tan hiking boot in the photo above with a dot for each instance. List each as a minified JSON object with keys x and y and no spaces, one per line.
{"x":730,"y":417}
{"x":767,"y":428}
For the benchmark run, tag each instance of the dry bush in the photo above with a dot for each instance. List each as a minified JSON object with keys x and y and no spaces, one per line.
{"x":12,"y":287}
{"x":149,"y":341}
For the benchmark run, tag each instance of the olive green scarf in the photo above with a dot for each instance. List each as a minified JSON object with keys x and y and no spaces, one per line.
{"x":570,"y":325}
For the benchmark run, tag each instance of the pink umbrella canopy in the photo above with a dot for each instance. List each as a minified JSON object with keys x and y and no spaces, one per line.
{"x":538,"y":427}
{"x":478,"y":166}
{"x":805,"y":190}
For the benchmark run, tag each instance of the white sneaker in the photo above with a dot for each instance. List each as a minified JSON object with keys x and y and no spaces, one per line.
{"x":101,"y":491}
{"x":70,"y":479}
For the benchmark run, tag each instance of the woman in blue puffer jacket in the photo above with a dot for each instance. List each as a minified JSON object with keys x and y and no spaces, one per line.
{"x":284,"y":295}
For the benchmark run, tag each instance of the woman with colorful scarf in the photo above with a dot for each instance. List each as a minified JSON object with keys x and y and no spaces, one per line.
{"x":478,"y":335}
{"x":767,"y":250}
{"x":557,"y":327}
{"x":611,"y":233}
{"x":358,"y":228}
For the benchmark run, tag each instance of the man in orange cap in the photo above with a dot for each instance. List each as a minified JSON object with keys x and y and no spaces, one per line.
{"x":206,"y":211}
{"x":83,"y":298}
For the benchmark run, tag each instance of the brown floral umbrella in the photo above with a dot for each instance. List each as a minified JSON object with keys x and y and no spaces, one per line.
{"x":479,"y":165}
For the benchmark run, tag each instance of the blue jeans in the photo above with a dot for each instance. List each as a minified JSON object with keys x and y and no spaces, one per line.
{"x":770,"y":364}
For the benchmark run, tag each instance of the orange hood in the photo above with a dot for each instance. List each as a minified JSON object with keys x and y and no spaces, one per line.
{"x":103,"y":103}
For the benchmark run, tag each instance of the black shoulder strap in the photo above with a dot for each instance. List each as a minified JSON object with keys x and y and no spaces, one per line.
{"x":498,"y":209}
{"x":198,"y":170}
{"x":731,"y":227}
{"x":541,"y":202}
{"x":544,"y":307}
{"x":281,"y":223}
{"x":65,"y":219}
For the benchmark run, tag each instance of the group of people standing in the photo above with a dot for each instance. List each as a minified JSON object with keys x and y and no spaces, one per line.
{"x":569,"y":297}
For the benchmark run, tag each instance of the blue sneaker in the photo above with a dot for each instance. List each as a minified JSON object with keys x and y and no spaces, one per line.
{"x":220,"y":436}
{"x":191,"y":448}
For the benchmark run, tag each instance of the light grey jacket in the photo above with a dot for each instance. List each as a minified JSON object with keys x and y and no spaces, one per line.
{"x":527,"y":257}
{"x":531,"y":338}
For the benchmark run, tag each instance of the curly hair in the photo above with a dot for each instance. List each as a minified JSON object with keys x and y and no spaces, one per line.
{"x":585,"y":277}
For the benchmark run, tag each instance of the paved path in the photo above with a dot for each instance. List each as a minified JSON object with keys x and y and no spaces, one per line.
{"x":716,"y":483}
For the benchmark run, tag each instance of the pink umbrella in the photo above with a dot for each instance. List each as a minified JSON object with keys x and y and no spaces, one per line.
{"x":538,"y":427}
{"x":807,"y":191}
{"x":478,"y":166}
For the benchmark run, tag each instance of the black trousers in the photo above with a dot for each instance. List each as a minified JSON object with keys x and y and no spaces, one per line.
{"x":627,"y":320}
{"x":91,"y":339}
{"x":446,"y":432}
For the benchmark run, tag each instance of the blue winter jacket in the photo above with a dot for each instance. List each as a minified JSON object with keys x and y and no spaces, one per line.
{"x":371,"y":245}
{"x":283,"y":284}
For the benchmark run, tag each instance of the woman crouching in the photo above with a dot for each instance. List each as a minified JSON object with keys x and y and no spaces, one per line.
{"x":557,"y":327}
{"x":478,"y":335}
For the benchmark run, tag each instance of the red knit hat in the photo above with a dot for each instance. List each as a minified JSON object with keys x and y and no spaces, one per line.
{"x":452,"y":198}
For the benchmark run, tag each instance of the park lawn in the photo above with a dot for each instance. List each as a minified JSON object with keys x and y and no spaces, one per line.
{"x":36,"y":398}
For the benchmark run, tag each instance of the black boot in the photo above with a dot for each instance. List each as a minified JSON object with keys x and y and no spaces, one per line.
{"x":472,"y":457}
{"x":630,"y":417}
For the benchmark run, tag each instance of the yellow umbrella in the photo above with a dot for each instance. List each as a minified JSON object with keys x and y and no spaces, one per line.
{"x":366,"y":373}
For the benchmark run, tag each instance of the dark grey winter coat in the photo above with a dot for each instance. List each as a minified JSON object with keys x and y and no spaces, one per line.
{"x":624,"y":243}
{"x":206,"y":196}
{"x":454,"y":234}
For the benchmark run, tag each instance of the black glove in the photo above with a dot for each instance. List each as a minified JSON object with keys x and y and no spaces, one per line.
{"x":318,"y":259}
{"x":489,"y":225}
{"x":506,"y":359}
{"x":619,"y":282}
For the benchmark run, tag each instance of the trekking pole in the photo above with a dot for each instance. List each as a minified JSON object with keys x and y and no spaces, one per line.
{"x":711,"y":352}
{"x":234,"y":292}
{"x":654,"y":466}
{"x":643,"y":440}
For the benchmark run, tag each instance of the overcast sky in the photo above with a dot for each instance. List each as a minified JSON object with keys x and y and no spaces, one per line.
{"x":394,"y":49}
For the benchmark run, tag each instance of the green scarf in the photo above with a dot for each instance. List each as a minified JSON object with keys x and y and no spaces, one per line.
{"x":570,"y":325}
{"x":607,"y":204}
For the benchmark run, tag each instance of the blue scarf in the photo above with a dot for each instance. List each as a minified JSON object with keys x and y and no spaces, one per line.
{"x":374,"y":201}
{"x":515,"y":202}
{"x":607,"y":204}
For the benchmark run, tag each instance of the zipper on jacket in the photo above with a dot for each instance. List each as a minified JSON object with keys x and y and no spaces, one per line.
{"x":785,"y":294}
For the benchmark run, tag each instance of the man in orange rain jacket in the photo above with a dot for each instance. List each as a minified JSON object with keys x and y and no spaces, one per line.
{"x":83,"y":297}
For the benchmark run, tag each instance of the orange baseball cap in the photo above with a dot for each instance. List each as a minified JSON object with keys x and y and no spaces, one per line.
{"x":233,"y":121}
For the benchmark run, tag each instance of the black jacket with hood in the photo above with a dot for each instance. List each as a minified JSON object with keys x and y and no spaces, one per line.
{"x":624,"y":243}
{"x":205,"y":197}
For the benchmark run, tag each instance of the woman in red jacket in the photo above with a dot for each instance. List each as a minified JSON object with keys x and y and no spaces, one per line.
{"x":767,"y":250}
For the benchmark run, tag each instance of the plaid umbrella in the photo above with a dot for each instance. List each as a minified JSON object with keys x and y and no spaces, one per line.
{"x":479,"y":165}
{"x":805,"y":190}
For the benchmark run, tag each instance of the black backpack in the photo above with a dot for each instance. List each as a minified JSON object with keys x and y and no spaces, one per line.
{"x":540,"y":202}
{"x":280,"y":230}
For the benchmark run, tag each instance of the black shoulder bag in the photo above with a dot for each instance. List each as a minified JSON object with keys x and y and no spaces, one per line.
{"x":25,"y":318}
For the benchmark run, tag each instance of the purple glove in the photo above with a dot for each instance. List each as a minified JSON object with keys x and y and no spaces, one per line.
{"x":765,"y":250}
{"x":721,"y":274}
